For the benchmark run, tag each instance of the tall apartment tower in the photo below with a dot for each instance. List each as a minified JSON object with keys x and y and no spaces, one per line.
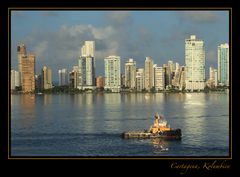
{"x":88,"y":49}
{"x":140,"y":79}
{"x":86,"y":73}
{"x":159,"y":78}
{"x":149,"y":73}
{"x":223,"y":64}
{"x":213,"y":77}
{"x":26,"y":65}
{"x":15,"y":79}
{"x":86,"y":64}
{"x":130,"y":73}
{"x":63,"y":77}
{"x":195,"y":63}
{"x":112,"y":73}
{"x":46,"y":78}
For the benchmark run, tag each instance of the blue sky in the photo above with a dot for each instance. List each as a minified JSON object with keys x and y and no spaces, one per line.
{"x":57,"y":36}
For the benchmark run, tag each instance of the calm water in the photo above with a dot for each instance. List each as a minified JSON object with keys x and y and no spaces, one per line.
{"x":91,"y":124}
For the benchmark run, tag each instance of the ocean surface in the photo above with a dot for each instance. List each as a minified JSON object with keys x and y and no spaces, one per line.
{"x":91,"y":124}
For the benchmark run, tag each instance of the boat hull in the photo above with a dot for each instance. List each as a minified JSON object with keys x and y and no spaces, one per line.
{"x":171,"y":134}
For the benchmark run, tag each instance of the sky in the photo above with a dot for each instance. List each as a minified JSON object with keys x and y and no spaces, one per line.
{"x":56,"y":37}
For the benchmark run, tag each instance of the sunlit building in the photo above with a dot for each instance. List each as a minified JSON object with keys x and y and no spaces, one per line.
{"x":223,"y":64}
{"x":63,"y":77}
{"x":15,"y":79}
{"x":195,"y":63}
{"x":46,"y":78}
{"x":130,"y":73}
{"x":149,"y":74}
{"x":140,"y":79}
{"x":112,"y":73}
{"x":159,"y":78}
{"x":26,"y":64}
{"x":100,"y":82}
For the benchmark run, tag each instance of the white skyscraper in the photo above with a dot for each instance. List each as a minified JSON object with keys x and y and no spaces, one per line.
{"x":86,"y":73}
{"x":130,"y":73}
{"x":149,"y":74}
{"x":63,"y":77}
{"x":213,"y":77}
{"x":88,"y":49}
{"x":86,"y":65}
{"x":223,"y":64}
{"x":140,"y":79}
{"x":159,"y":78}
{"x":15,"y":79}
{"x":195,"y":63}
{"x":112,"y":73}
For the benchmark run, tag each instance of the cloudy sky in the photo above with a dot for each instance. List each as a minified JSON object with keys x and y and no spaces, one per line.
{"x":55,"y":37}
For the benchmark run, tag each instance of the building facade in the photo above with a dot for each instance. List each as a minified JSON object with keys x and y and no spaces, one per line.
{"x":159,"y":78}
{"x":46,"y":78}
{"x":100,"y":82}
{"x":130,"y":74}
{"x":63,"y":77}
{"x":213,"y":77}
{"x":149,"y":74}
{"x":223,"y":64}
{"x":86,"y":73}
{"x":26,"y":64}
{"x":112,"y":73}
{"x":195,"y":63}
{"x":15,"y":79}
{"x":140,"y":79}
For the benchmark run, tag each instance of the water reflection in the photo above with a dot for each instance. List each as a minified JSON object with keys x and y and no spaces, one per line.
{"x":159,"y":145}
{"x":47,"y":99}
{"x":27,"y":104}
{"x":195,"y":125}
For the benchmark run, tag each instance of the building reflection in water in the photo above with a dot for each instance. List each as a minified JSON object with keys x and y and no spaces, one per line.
{"x":194,"y":122}
{"x":47,"y":99}
{"x":112,"y":112}
{"x":27,"y":105}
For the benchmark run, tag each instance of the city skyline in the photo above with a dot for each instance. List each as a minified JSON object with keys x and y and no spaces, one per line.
{"x":129,"y":34}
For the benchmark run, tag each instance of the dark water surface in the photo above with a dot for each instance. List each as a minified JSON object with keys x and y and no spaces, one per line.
{"x":91,"y":124}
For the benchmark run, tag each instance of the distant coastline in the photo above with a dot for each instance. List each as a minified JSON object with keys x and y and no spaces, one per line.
{"x":67,"y":90}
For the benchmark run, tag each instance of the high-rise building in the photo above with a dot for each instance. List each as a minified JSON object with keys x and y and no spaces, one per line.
{"x":15,"y":79}
{"x":46,"y":78}
{"x":149,"y":80}
{"x":100,"y":82}
{"x":26,"y":64}
{"x":213,"y":77}
{"x":86,"y":64}
{"x":130,"y":73}
{"x":182,"y":81}
{"x":223,"y":64}
{"x":74,"y":77}
{"x":122,"y":80}
{"x":88,"y":49}
{"x":140,"y":79}
{"x":159,"y":78}
{"x":195,"y":63}
{"x":21,"y":52}
{"x":86,"y":73}
{"x":63,"y":77}
{"x":112,"y":73}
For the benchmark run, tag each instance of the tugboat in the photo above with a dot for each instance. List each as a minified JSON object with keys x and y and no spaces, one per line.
{"x":159,"y":129}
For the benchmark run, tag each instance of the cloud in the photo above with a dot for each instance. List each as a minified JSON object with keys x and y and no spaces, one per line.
{"x":61,"y":48}
{"x":199,"y":16}
{"x":40,"y":49}
{"x":119,"y":18}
